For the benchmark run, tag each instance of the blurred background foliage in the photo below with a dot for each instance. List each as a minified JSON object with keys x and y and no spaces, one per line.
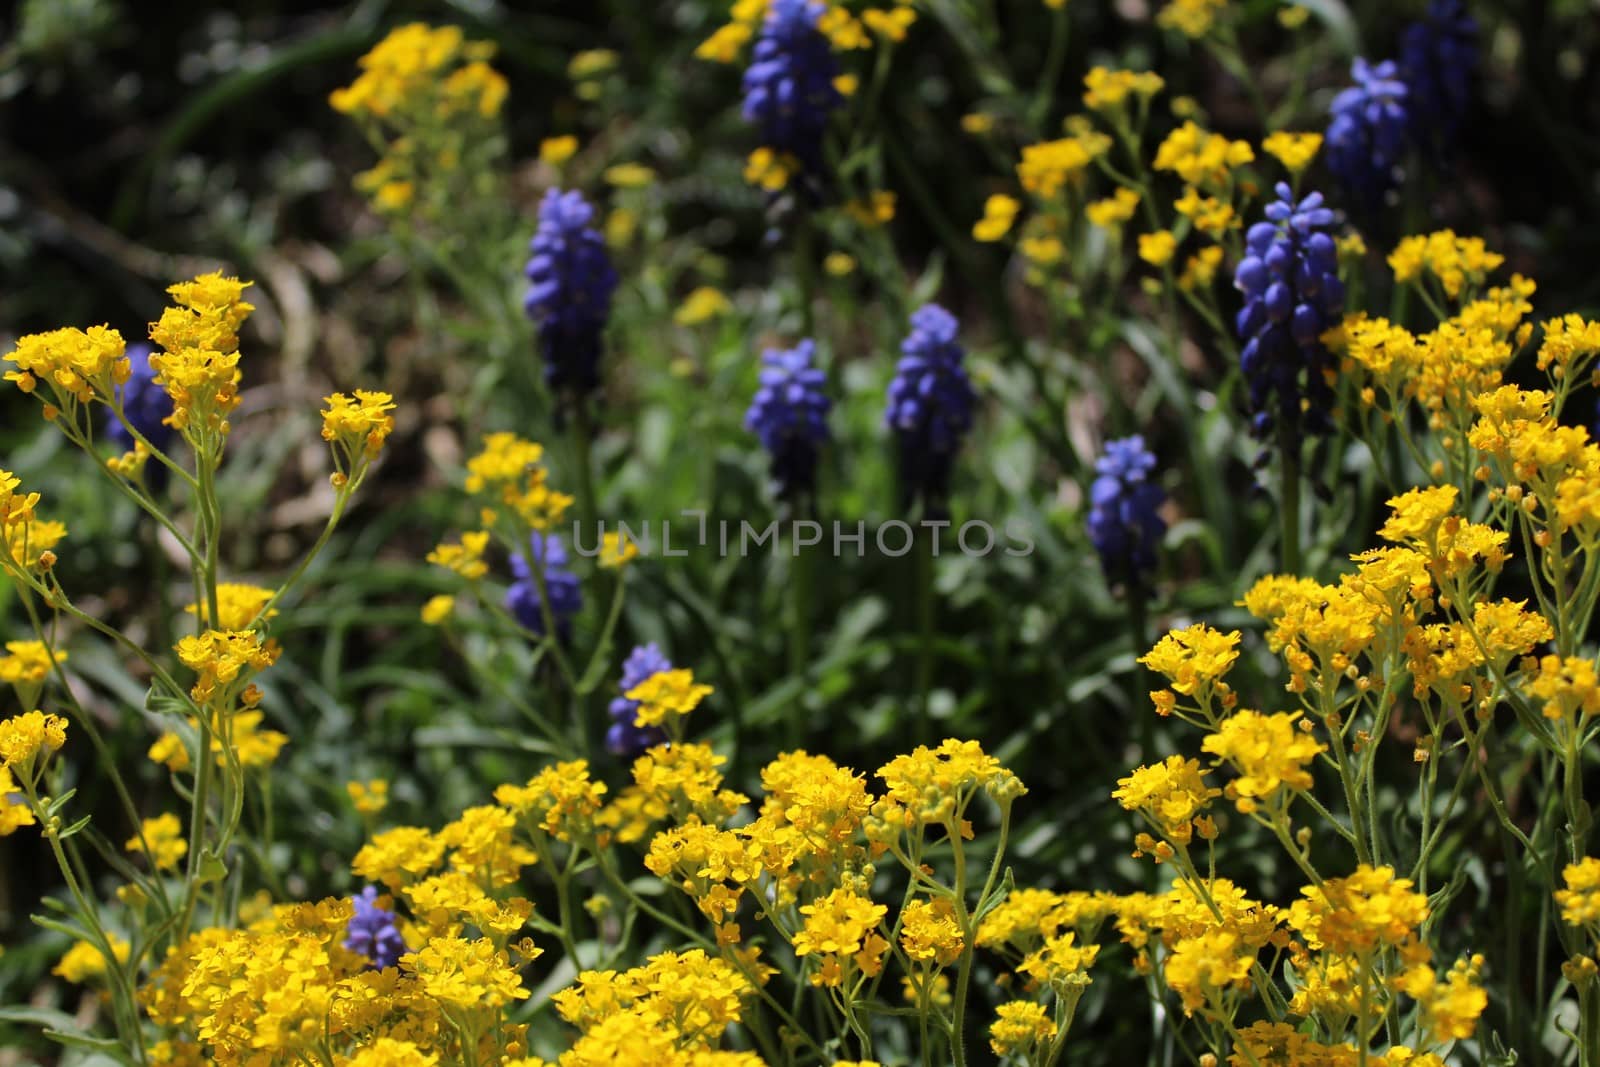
{"x":141,"y":143}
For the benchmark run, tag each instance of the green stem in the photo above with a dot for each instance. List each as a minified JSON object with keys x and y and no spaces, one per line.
{"x":1289,"y":500}
{"x":923,"y":594}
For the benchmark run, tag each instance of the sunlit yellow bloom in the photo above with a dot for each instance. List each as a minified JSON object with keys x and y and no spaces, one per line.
{"x":510,"y":470}
{"x":1021,"y":1027}
{"x":466,"y":558}
{"x":768,"y":169}
{"x":1157,"y":248}
{"x":164,"y":836}
{"x":438,"y":609}
{"x":666,"y":696}
{"x":81,"y":365}
{"x":554,"y":151}
{"x":357,"y":426}
{"x":890,"y":24}
{"x":1106,"y":90}
{"x":701,"y":306}
{"x":14,"y":810}
{"x":617,"y":550}
{"x":1192,"y":18}
{"x":370,"y":797}
{"x":999,"y":211}
{"x":1114,"y":210}
{"x":873,"y":210}
{"x":1294,"y":150}
{"x":85,"y":960}
{"x":839,"y":264}
{"x":630,"y":175}
{"x":25,"y":737}
{"x":1202,"y":158}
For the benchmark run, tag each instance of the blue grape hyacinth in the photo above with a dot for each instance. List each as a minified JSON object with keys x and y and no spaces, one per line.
{"x":1125,"y":525}
{"x":623,"y":737}
{"x":789,"y":413}
{"x":1290,"y":281}
{"x":571,"y":281}
{"x":146,"y":405}
{"x":931,"y":403}
{"x":546,"y":552}
{"x":1367,"y":137}
{"x":1438,"y":58}
{"x":373,"y":931}
{"x":789,"y":90}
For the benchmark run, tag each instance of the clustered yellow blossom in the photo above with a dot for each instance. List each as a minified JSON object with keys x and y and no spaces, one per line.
{"x":1106,"y":90}
{"x":356,"y":427}
{"x":424,"y":70}
{"x":510,"y":472}
{"x":1457,"y":264}
{"x":999,"y":212}
{"x":198,"y":364}
{"x":77,"y":366}
{"x":225,"y":661}
{"x":25,"y":738}
{"x":666,"y":697}
{"x":239,"y":606}
{"x":841,"y":931}
{"x":701,"y":306}
{"x":1050,"y":166}
{"x":1294,"y":150}
{"x":464,"y":558}
{"x":161,"y":838}
{"x":1201,"y":158}
{"x":29,"y":540}
{"x":1192,"y":18}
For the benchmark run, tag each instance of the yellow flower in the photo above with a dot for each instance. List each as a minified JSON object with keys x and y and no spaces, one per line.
{"x":724,"y":45}
{"x":28,"y":663}
{"x":561,"y":800}
{"x":890,"y":24}
{"x":977,"y":123}
{"x":1020,"y":1028}
{"x":1580,"y":900}
{"x":1049,"y":166}
{"x":426,"y":71}
{"x":85,"y":961}
{"x":1205,"y":967}
{"x":840,"y":929}
{"x":1456,"y":262}
{"x":511,"y":471}
{"x":1157,"y":248}
{"x":554,"y":151}
{"x":847,"y":84}
{"x":1173,"y":794}
{"x":1569,"y":688}
{"x":1192,"y":18}
{"x":701,"y":306}
{"x":1114,"y":210}
{"x":929,"y":932}
{"x":874,"y":210}
{"x":999,"y":212}
{"x":592,"y":63}
{"x":1042,"y":251}
{"x":666,"y":696}
{"x":1569,"y":342}
{"x":630,"y":175}
{"x":14,"y":810}
{"x":169,"y":750}
{"x":1355,"y":915}
{"x":438,"y":609}
{"x":238,"y":606}
{"x":24,"y":737}
{"x":768,"y":169}
{"x":164,"y":836}
{"x":466,"y":558}
{"x":1200,"y":270}
{"x":617,"y":550}
{"x":1294,"y":150}
{"x":1108,"y":90}
{"x":357,"y":427}
{"x":199,"y":364}
{"x":1210,"y":215}
{"x":1193,"y":657}
{"x":389,"y":1052}
{"x":839,"y":264}
{"x":1201,"y":158}
{"x":1270,"y":752}
{"x":225,"y":660}
{"x":77,"y":365}
{"x":370,"y":797}
{"x":466,"y":975}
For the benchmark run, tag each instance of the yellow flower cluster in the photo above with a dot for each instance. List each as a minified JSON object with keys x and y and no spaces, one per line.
{"x":199,"y":361}
{"x":1050,"y":166}
{"x":1201,"y":158}
{"x":420,"y":70}
{"x":1457,"y":264}
{"x":27,"y":737}
{"x":510,"y":472}
{"x":1192,"y":18}
{"x":1294,"y":150}
{"x":225,"y":661}
{"x":29,"y":541}
{"x":666,"y":698}
{"x":1108,"y":90}
{"x":356,"y":427}
{"x":78,"y":366}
